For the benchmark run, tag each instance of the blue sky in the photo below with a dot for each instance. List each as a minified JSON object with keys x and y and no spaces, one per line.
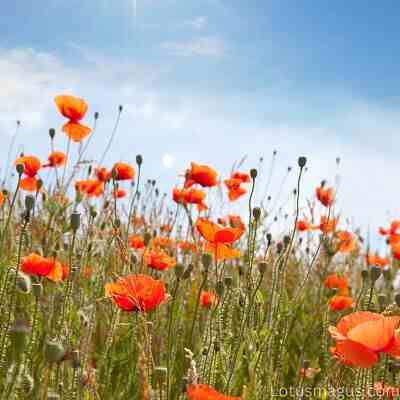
{"x":214,"y":80}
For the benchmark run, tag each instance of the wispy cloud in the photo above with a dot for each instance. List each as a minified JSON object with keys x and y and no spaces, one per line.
{"x":197,"y":23}
{"x":203,"y":46}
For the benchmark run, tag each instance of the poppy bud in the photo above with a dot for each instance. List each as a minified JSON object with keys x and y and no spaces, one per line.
{"x":179,"y":270}
{"x":397,"y":299}
{"x":219,"y":288}
{"x":29,"y":202}
{"x":52,"y":133}
{"x":262,"y":267}
{"x":19,"y":333}
{"x":96,"y":115}
{"x":269,"y":238}
{"x":253,"y":173}
{"x":279,"y":247}
{"x":375,"y":273}
{"x":206,"y":259}
{"x":75,"y":221}
{"x":228,"y":280}
{"x":289,"y":169}
{"x":139,"y":159}
{"x":120,"y":108}
{"x":337,"y":160}
{"x":364,"y":275}
{"x":24,"y":283}
{"x":20,"y":169}
{"x":257,"y":213}
{"x":286,"y":240}
{"x":54,"y":351}
{"x":188,"y":271}
{"x":302,"y":161}
{"x":275,"y":152}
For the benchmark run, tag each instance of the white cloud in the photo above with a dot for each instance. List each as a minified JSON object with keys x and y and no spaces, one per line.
{"x":203,"y":46}
{"x":197,"y":23}
{"x":168,"y":160}
{"x":207,"y":128}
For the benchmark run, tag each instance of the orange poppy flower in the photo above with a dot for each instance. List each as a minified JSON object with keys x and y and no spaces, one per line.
{"x":186,"y":246}
{"x":235,"y":190}
{"x":396,"y":252}
{"x":123,"y":171}
{"x":347,"y":242}
{"x":392,"y":230}
{"x":235,"y":221}
{"x":244,"y":177}
{"x":158,"y":260}
{"x":74,"y":109}
{"x":57,"y":272}
{"x":335,"y":281}
{"x":90,"y":187}
{"x":56,"y":159}
{"x":221,"y":251}
{"x":339,"y":303}
{"x":214,"y":233}
{"x":201,"y":174}
{"x":2,"y":198}
{"x":31,"y":166}
{"x":234,"y":185}
{"x":137,"y":293}
{"x":190,"y":196}
{"x":328,"y":225}
{"x":208,"y":299}
{"x":376,"y":260}
{"x":361,"y":336}
{"x":102,"y":174}
{"x":162,"y":241}
{"x":303,"y":226}
{"x":35,"y":264}
{"x":325,"y":196}
{"x":166,"y":228}
{"x":205,"y":392}
{"x":120,"y":193}
{"x":136,"y":242}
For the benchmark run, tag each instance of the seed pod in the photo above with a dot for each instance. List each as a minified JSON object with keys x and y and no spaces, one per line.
{"x":75,"y":221}
{"x":19,"y":333}
{"x":302,"y":161}
{"x":54,"y":351}
{"x":220,"y":288}
{"x":20,"y":169}
{"x":253,"y":173}
{"x":29,"y":202}
{"x":262,"y":267}
{"x":206,"y":260}
{"x":179,"y":270}
{"x":375,"y":273}
{"x":24,"y":283}
{"x":139,"y":159}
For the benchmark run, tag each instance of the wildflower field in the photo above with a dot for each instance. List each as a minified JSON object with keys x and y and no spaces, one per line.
{"x":111,"y":289}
